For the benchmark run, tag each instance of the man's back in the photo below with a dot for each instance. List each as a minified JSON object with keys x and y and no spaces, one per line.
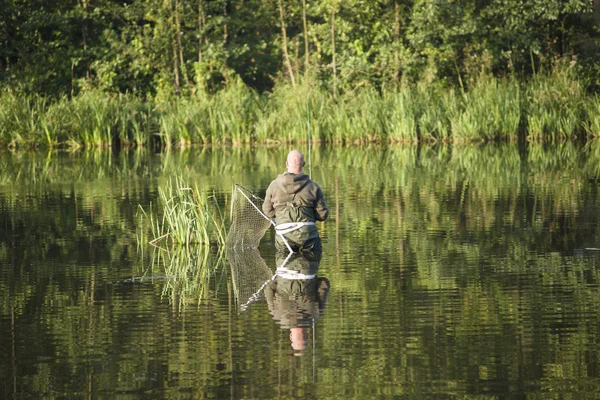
{"x":296,"y":202}
{"x":295,"y":198}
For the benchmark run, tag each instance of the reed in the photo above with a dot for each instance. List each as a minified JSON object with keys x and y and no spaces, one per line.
{"x":432,"y":122}
{"x":592,"y":120}
{"x":21,"y":118}
{"x":491,"y":109}
{"x":549,"y":106}
{"x":360,"y":117}
{"x":283,"y":115}
{"x":401,"y":114}
{"x":189,"y":216}
{"x":555,"y":105}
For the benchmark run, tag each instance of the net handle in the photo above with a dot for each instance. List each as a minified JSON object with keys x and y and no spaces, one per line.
{"x":256,"y":295}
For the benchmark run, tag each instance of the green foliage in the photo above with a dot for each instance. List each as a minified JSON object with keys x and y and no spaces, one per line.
{"x":490,"y":109}
{"x":157,"y":48}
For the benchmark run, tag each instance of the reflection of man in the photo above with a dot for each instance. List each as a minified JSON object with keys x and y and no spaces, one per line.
{"x":296,"y":297}
{"x":296,"y":202}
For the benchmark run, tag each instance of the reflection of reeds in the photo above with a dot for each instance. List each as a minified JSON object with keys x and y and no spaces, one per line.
{"x":190,"y":274}
{"x":190,"y":216}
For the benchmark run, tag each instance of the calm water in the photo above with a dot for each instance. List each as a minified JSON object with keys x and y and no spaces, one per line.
{"x":468,"y":272}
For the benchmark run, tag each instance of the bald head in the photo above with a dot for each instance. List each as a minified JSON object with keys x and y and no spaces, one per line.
{"x":295,"y":162}
{"x":299,"y":338}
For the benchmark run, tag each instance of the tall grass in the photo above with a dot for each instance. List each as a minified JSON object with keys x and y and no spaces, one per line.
{"x":189,"y":216}
{"x":284,"y":115}
{"x":555,"y":105}
{"x":592,"y":120}
{"x":490,"y":109}
{"x":549,"y":106}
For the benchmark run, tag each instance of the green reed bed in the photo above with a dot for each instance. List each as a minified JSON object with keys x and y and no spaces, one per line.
{"x":592,"y":120}
{"x":358,"y":118}
{"x":401,"y":115}
{"x":21,"y":118}
{"x":285,"y":114}
{"x":491,"y":109}
{"x":189,"y":216}
{"x":555,"y":105}
{"x":548,"y":106}
{"x":225,"y":117}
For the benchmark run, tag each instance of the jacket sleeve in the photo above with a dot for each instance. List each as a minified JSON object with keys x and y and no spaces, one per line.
{"x":321,"y":206}
{"x":267,"y":206}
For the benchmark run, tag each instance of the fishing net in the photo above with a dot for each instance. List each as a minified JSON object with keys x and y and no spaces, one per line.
{"x":249,"y":274}
{"x":249,"y":270}
{"x":249,"y":224}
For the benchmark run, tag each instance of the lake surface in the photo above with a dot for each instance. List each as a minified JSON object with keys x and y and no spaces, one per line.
{"x":447,"y":271}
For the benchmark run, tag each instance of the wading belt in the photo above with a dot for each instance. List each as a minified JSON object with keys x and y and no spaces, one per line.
{"x":288,"y":227}
{"x":292,"y":274}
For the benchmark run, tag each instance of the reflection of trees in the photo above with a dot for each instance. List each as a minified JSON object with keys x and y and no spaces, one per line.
{"x":471,"y":255}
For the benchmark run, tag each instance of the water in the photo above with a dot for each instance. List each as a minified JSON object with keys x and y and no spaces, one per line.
{"x":454,"y":272}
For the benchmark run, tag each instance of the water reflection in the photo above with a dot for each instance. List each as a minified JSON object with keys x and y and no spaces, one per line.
{"x":457,"y":272}
{"x":188,"y":274}
{"x":296,"y":296}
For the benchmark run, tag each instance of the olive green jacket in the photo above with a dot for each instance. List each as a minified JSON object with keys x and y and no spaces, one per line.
{"x":295,"y":198}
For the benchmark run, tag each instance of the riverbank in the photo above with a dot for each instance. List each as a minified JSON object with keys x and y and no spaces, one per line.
{"x":545,"y":107}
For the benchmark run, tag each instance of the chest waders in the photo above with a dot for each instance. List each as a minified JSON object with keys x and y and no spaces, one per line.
{"x":293,"y":216}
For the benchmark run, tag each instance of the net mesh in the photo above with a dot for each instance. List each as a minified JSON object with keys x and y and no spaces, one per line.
{"x":249,"y":274}
{"x":249,"y":224}
{"x":249,"y":270}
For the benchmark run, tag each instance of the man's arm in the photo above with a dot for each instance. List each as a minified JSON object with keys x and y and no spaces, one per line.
{"x":267,"y":206}
{"x":321,"y":207}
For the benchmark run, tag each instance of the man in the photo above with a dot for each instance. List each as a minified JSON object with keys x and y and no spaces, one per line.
{"x":296,"y":202}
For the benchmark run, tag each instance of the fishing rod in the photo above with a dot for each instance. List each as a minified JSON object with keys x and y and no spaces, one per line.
{"x":309,"y":138}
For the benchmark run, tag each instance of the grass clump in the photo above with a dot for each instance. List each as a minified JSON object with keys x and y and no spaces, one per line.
{"x":284,"y":115}
{"x":189,"y":216}
{"x":555,"y":105}
{"x":491,"y":109}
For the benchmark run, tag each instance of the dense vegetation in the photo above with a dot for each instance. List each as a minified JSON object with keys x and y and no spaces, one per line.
{"x":100,"y":72}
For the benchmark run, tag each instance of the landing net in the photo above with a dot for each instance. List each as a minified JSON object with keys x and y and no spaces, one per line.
{"x":249,"y":224}
{"x":249,"y":274}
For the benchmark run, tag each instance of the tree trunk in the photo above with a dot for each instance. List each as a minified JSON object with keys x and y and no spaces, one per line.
{"x":84,"y":34}
{"x":180,"y":47}
{"x":225,"y":24}
{"x":305,"y":25}
{"x":172,"y":29}
{"x":396,"y":40}
{"x":176,"y":67}
{"x":297,"y":55}
{"x":286,"y":55}
{"x":84,"y":27}
{"x":200,"y":28}
{"x":333,"y":61}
